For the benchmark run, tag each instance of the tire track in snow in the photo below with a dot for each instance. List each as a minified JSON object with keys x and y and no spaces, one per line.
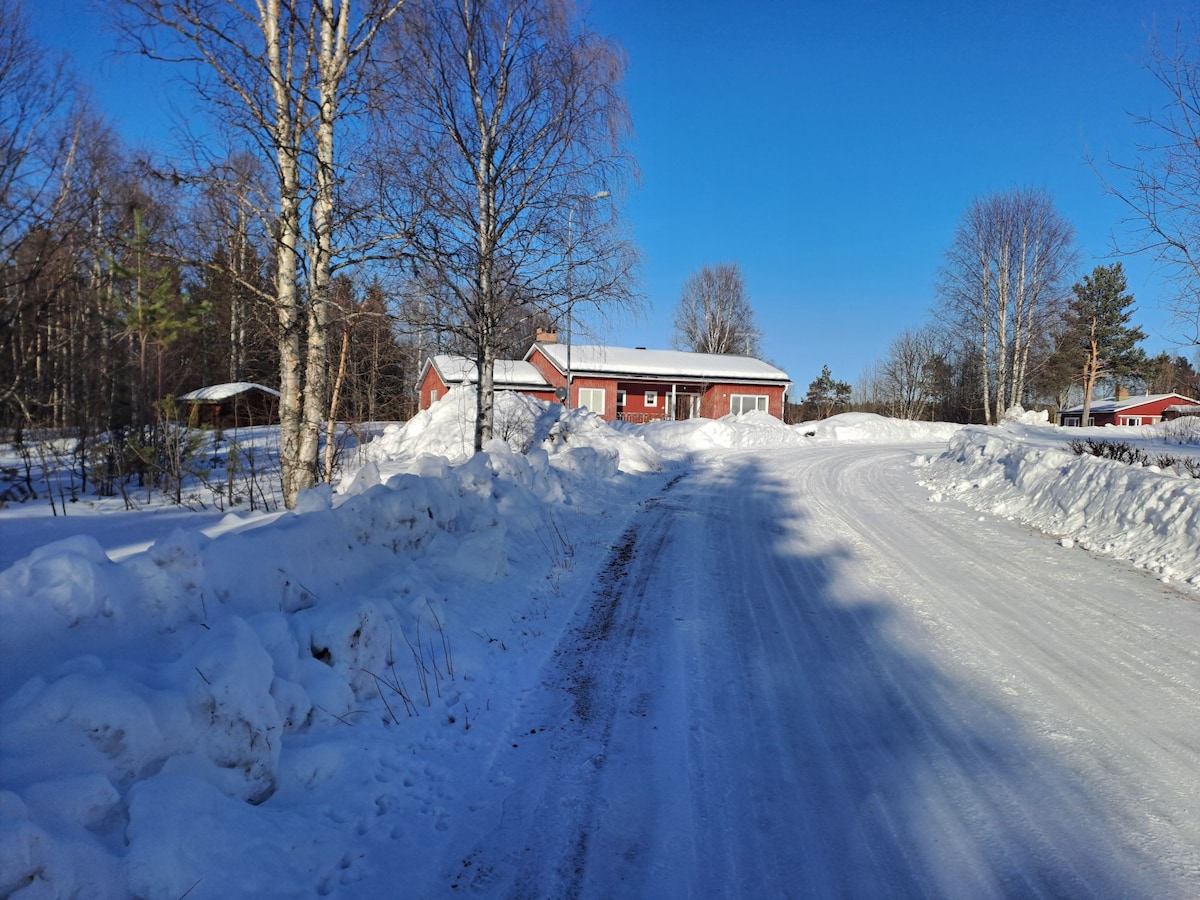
{"x":555,"y":825}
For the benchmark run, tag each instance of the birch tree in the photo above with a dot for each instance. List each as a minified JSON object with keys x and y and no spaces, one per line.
{"x":509,"y":115}
{"x":280,"y":72}
{"x":714,"y":314}
{"x":1003,"y":282}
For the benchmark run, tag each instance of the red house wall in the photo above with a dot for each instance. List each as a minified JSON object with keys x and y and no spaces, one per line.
{"x":608,"y":385}
{"x":430,"y":383}
{"x":549,"y":372}
{"x":635,"y":400}
{"x":716,"y":400}
{"x":1153,"y":410}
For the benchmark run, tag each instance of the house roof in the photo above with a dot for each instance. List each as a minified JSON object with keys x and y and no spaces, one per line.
{"x":1111,"y":405}
{"x":215,"y":393}
{"x":508,"y":373}
{"x":661,"y":364}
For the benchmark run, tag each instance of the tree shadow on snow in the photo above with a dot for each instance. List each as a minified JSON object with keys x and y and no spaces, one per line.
{"x":834,"y":760}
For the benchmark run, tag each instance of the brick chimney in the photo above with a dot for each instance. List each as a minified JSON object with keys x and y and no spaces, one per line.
{"x":546,"y":337}
{"x":1122,"y":392}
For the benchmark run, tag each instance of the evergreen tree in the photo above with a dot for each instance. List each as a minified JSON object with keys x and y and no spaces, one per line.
{"x":1100,"y":341}
{"x":826,"y":396}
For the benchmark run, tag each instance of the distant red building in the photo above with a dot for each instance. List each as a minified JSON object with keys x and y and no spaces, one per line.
{"x":444,"y":371}
{"x":627,"y":384}
{"x":1147,"y":409}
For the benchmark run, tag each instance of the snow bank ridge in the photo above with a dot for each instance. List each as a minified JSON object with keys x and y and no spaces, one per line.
{"x":1143,"y":514}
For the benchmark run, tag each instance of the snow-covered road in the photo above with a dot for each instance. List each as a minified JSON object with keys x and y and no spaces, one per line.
{"x":798,"y":676}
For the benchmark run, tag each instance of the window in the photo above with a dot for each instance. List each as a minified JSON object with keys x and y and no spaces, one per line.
{"x":1133,"y":420}
{"x":620,"y":399}
{"x":433,"y":396}
{"x":744,"y":403}
{"x":651,"y":398}
{"x":592,"y":398}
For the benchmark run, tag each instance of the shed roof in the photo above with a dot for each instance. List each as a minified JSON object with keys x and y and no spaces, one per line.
{"x":215,"y":393}
{"x":635,"y":361}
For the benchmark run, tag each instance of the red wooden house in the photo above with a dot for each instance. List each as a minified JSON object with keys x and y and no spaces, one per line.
{"x":640,"y":385}
{"x":631,"y":384}
{"x":1146,"y":409}
{"x":444,"y":371}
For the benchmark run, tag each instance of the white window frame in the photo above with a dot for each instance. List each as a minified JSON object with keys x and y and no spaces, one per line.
{"x":1133,"y":420}
{"x":620,"y":399}
{"x":651,"y":398}
{"x":591,"y":393}
{"x":433,"y":395}
{"x":737,"y":403}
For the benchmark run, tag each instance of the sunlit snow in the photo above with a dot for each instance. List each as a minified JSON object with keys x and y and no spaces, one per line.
{"x":315,"y":705}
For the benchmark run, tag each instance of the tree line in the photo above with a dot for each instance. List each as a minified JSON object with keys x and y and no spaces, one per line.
{"x":370,"y":181}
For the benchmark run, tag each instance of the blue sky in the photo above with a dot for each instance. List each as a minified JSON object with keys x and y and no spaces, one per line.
{"x":828,"y":148}
{"x":831,"y":148}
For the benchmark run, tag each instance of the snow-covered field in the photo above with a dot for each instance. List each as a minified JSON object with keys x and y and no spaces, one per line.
{"x":711,"y":658}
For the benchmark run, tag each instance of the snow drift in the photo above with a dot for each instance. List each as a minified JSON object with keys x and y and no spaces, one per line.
{"x":1147,"y":515}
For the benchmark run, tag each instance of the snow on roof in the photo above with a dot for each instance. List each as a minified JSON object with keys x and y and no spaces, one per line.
{"x":1116,"y":406}
{"x":507,"y":373}
{"x":661,"y":363}
{"x":1112,"y":405}
{"x":216,"y":392}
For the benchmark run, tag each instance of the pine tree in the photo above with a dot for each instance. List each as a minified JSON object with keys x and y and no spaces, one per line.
{"x":1101,"y":340}
{"x":826,"y":395}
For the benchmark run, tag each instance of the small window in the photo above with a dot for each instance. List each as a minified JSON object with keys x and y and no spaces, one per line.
{"x":651,"y":398}
{"x":620,"y":399}
{"x":744,"y":403}
{"x":433,"y":396}
{"x":593,"y":399}
{"x":1133,"y":420}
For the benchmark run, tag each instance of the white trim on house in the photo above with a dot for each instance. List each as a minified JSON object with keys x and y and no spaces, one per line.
{"x":594,"y":396}
{"x":665,"y":365}
{"x":744,"y":403}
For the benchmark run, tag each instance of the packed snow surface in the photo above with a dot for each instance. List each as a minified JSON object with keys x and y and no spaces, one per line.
{"x":855,"y":657}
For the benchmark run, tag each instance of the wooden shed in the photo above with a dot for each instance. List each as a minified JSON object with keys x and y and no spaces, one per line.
{"x":233,"y":405}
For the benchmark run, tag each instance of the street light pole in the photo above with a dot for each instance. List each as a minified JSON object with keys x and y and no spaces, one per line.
{"x":599,"y":195}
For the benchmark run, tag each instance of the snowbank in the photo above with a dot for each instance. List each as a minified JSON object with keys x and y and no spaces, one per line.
{"x":1143,"y":514}
{"x":446,"y":430}
{"x":167,"y":718}
{"x":754,"y":429}
{"x":868,"y":428}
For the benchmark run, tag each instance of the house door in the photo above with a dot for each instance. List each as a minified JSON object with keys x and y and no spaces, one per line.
{"x":687,"y":406}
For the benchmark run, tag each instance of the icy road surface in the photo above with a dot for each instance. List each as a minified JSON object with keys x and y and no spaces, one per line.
{"x":799,"y":677}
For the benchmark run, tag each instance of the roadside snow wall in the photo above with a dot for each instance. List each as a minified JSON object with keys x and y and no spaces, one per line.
{"x":1143,"y":514}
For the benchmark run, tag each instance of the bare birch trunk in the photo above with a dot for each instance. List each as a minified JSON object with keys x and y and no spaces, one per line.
{"x":286,"y":300}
